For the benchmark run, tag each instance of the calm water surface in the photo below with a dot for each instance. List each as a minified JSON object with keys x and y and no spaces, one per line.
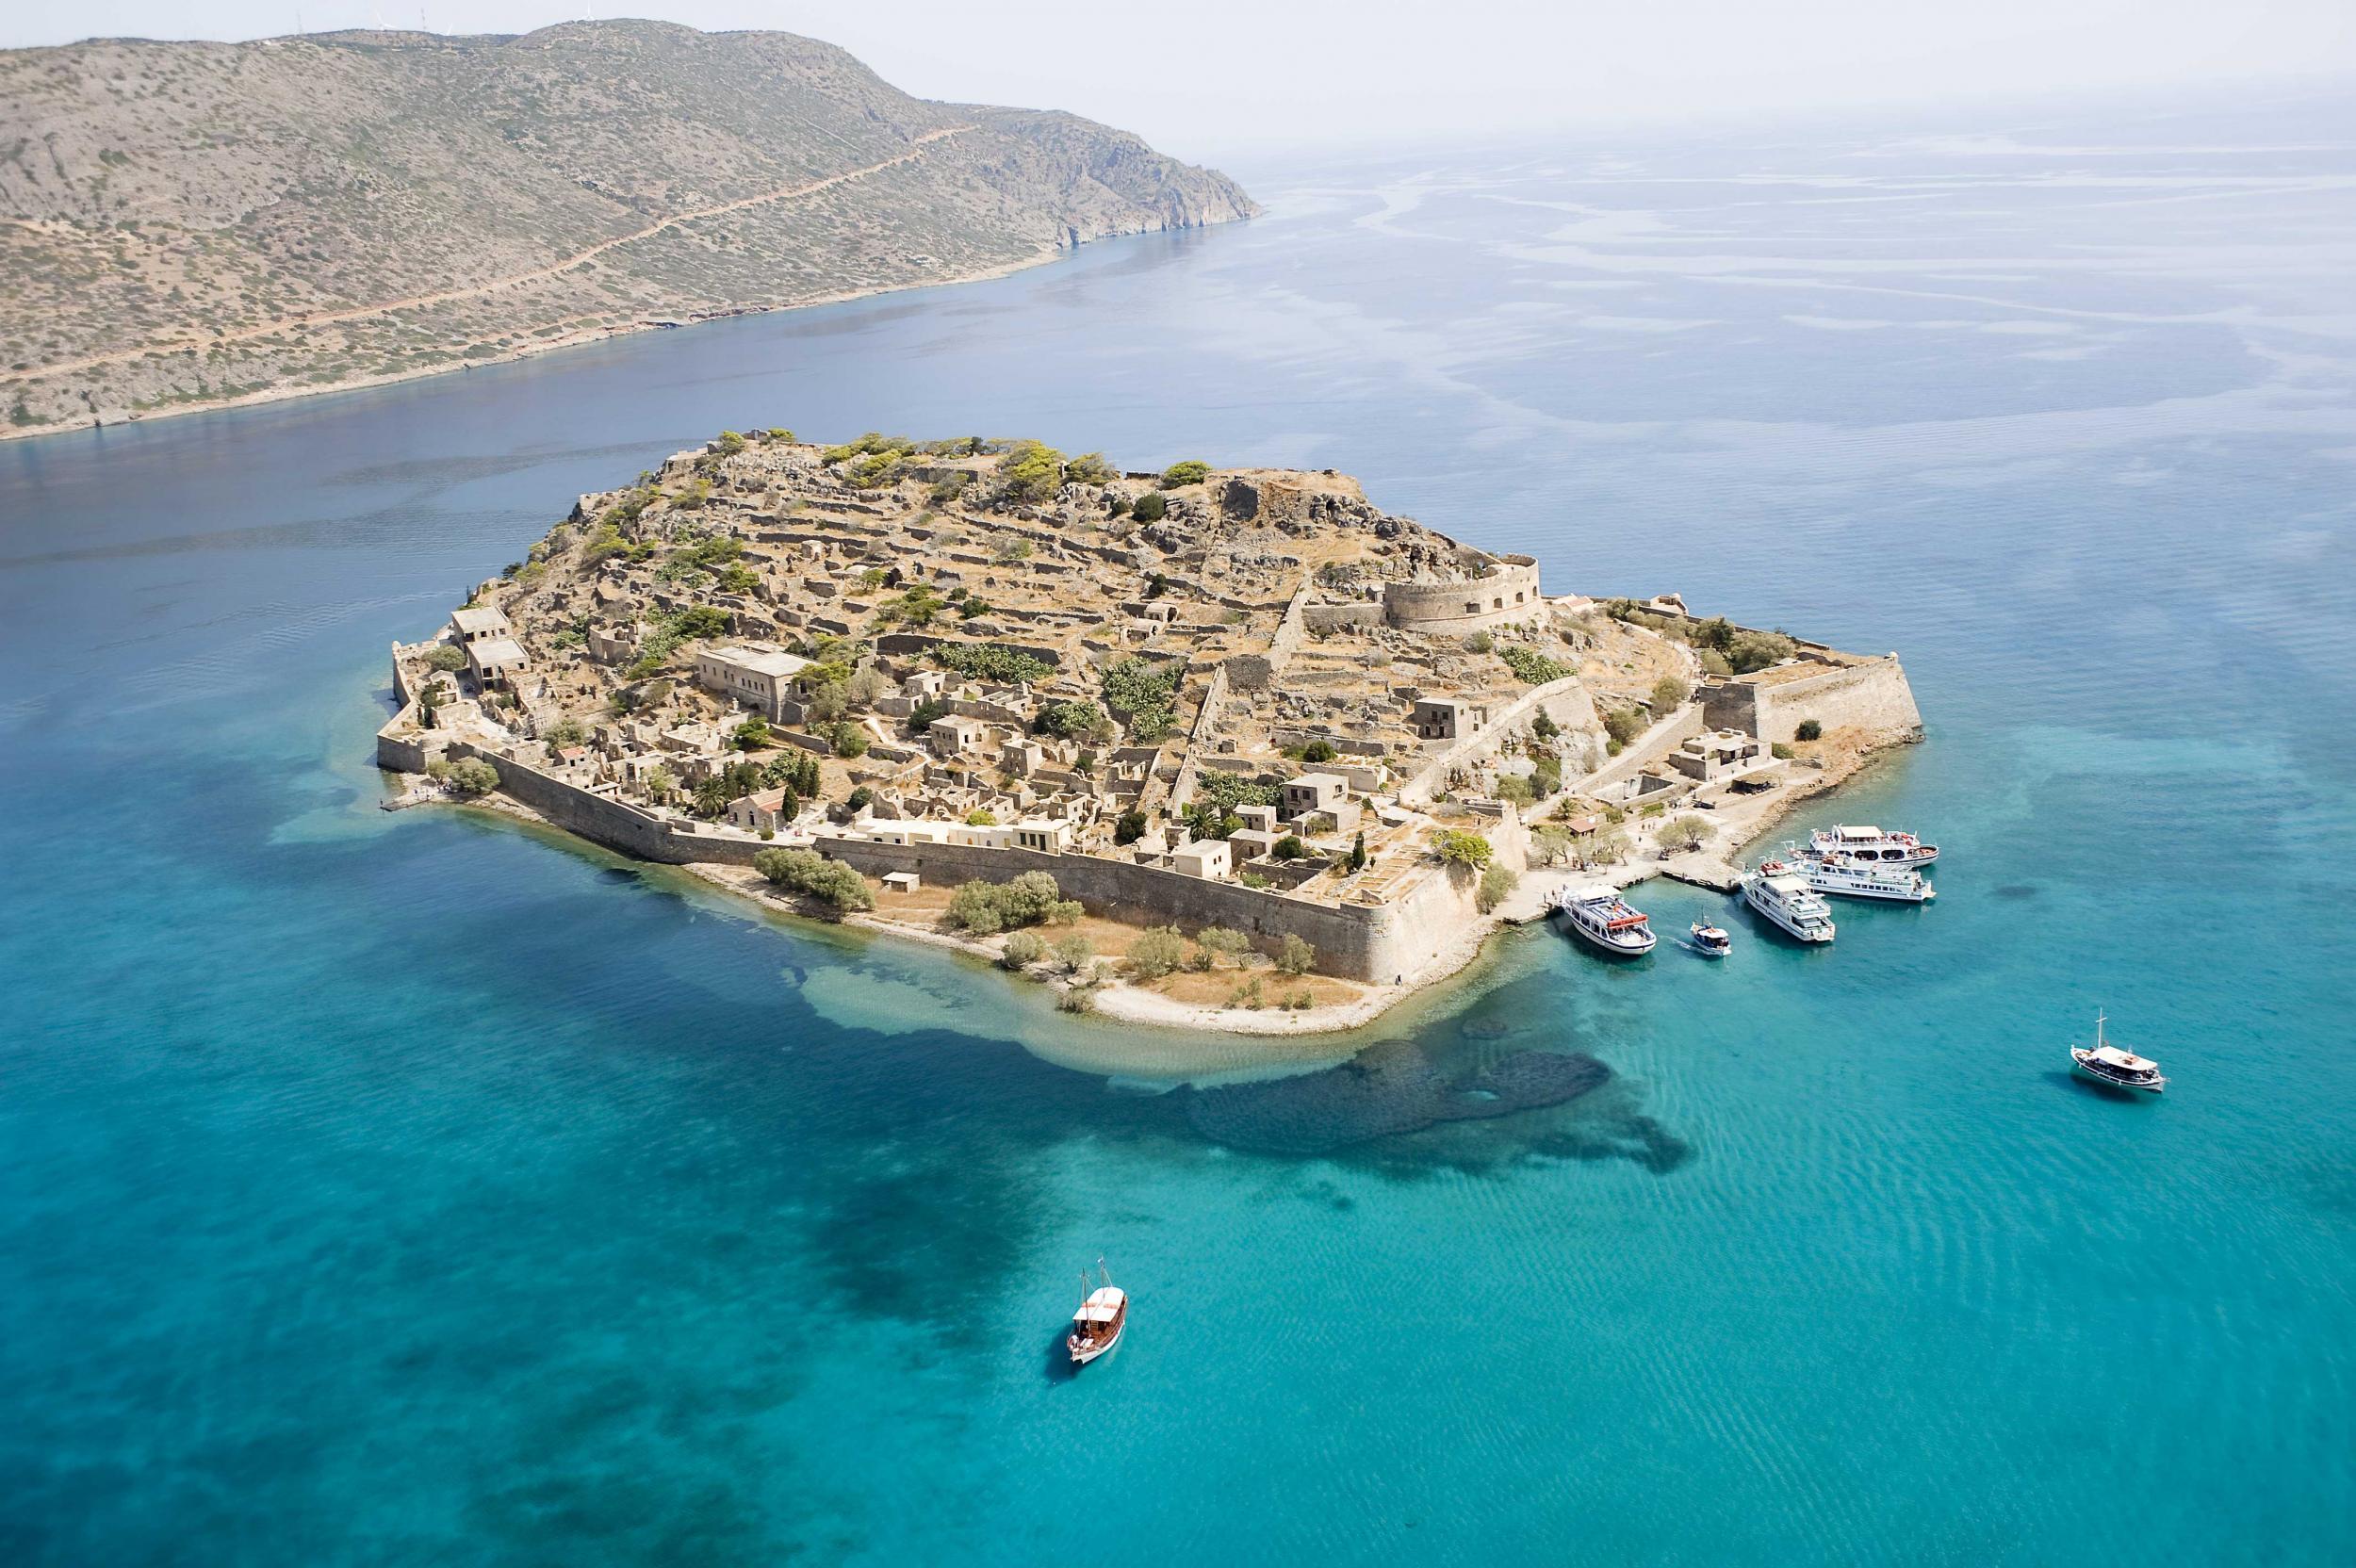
{"x":389,"y":1191}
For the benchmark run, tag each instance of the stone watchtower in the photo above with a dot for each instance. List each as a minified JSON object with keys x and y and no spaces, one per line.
{"x":1506,"y":591}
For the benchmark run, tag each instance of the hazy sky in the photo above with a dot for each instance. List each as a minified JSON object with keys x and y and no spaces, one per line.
{"x":1204,"y":74}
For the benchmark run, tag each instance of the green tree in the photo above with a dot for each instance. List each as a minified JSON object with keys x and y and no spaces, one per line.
{"x":1549,"y":846}
{"x":849,"y":740}
{"x":752,"y":735}
{"x":1495,"y":883}
{"x":1222,"y":941}
{"x":473,"y":776}
{"x":1192,"y":471}
{"x":1090,"y":469}
{"x":1150,"y":507}
{"x":1289,"y":847}
{"x":1669,"y":694}
{"x":830,"y":882}
{"x":1130,"y":829}
{"x":662,"y":783}
{"x":1024,"y":949}
{"x":982,"y":907}
{"x":1156,"y":952}
{"x":1072,"y":951}
{"x":1462,"y":849}
{"x":1358,"y":852}
{"x":1516,"y":789}
{"x":1297,"y":957}
{"x":1809,"y":730}
{"x":1684,"y":832}
{"x":447,"y":658}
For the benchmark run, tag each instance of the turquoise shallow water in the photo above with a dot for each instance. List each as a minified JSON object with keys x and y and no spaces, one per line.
{"x":418,"y":1189}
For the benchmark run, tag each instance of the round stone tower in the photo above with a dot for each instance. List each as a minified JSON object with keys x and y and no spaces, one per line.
{"x":1506,"y":593}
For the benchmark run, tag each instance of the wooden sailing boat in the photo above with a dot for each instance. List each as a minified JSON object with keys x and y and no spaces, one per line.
{"x":1104,"y":1312}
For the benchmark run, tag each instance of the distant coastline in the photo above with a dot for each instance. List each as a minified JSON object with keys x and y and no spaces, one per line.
{"x":582,"y":339}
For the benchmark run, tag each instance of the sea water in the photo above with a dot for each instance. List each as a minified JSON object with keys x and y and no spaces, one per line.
{"x":385,"y":1190}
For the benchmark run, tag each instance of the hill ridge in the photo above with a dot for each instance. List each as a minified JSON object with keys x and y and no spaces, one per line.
{"x":195,"y":224}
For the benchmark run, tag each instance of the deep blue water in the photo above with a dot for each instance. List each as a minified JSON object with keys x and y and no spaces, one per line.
{"x":397,"y":1189}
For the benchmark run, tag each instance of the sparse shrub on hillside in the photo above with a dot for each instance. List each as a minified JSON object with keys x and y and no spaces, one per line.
{"x":1529,"y":665}
{"x":1150,"y":507}
{"x":1495,"y":883}
{"x":1191,"y":471}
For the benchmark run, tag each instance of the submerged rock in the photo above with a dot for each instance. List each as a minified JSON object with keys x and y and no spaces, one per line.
{"x":1393,"y":1088}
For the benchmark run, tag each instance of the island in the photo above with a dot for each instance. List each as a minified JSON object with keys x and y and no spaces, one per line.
{"x":1228,"y":748}
{"x":194,"y":226}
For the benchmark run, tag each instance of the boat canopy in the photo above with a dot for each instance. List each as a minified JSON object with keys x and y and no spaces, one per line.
{"x":1093,"y":1313}
{"x":2111,"y":1055}
{"x":1848,"y":832}
{"x":1788,"y":885}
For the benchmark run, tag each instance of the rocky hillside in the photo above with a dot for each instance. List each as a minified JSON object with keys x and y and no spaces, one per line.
{"x":186,"y":224}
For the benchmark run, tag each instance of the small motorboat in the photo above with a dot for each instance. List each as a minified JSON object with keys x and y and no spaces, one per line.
{"x":1104,"y":1312}
{"x":2110,"y":1064}
{"x":1712,"y":941}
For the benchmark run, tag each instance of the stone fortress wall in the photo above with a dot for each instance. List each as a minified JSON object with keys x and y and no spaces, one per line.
{"x":1872,"y":695}
{"x":1376,"y":944}
{"x":1843,"y":692}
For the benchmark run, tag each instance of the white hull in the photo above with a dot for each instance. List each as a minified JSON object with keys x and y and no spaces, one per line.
{"x":1606,"y":944}
{"x":1881,"y":849}
{"x":1921,"y":894}
{"x":1782,"y":918}
{"x":2084,"y":1068}
{"x":1081,"y":1358}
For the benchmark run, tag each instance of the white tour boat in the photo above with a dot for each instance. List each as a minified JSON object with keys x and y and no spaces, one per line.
{"x":1601,"y":916}
{"x":1712,"y":941}
{"x":1785,"y":897}
{"x":1874,"y":846}
{"x":1104,"y":1314}
{"x":1850,"y":877}
{"x":2110,"y":1064}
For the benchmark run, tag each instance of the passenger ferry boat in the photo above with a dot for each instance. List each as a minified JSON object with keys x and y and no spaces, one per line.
{"x":1104,"y":1312}
{"x":1601,"y":916}
{"x":1712,"y":941}
{"x":1785,"y":898}
{"x":2110,"y":1064}
{"x":1850,"y":877}
{"x":1874,"y":846}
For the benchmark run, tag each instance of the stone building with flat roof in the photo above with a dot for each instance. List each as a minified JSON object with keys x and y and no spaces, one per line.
{"x":759,"y":675}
